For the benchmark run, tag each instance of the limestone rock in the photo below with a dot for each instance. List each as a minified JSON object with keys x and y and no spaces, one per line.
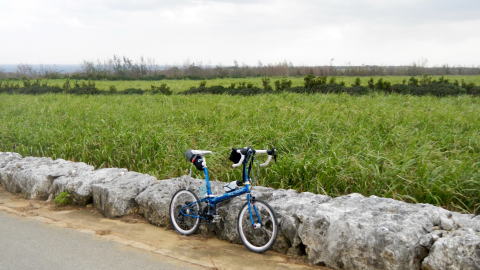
{"x":33,"y":176}
{"x":154,"y":201}
{"x":458,"y":250}
{"x":357,"y":232}
{"x":5,"y":159}
{"x":80,"y":187}
{"x":117,"y":198}
{"x":347,"y":232}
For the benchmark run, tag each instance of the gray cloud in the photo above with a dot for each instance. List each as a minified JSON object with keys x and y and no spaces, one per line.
{"x":219,"y":31}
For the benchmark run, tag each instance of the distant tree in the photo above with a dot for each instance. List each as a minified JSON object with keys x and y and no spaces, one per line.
{"x":25,"y":70}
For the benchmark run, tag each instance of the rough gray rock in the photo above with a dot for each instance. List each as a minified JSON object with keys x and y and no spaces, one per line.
{"x":286,"y":204}
{"x":357,"y":232}
{"x":80,"y":187}
{"x":5,"y":159}
{"x":117,"y":197}
{"x":33,"y":176}
{"x":347,"y":232}
{"x":154,"y":200}
{"x":457,"y":250}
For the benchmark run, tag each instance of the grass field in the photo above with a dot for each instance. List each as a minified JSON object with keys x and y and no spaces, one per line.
{"x":417,"y":149}
{"x":182,"y":85}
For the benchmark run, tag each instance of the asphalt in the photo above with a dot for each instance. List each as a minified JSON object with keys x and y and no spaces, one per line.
{"x":29,"y":244}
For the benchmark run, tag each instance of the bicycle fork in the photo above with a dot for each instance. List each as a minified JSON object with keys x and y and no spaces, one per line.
{"x":251,"y":204}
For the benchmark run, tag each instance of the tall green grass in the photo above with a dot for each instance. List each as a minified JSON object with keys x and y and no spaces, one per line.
{"x":417,"y":149}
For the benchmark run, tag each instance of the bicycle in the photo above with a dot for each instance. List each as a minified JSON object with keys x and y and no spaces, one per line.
{"x":257,"y":225}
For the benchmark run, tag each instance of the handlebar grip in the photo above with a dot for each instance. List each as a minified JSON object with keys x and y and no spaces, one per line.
{"x":267,"y":162}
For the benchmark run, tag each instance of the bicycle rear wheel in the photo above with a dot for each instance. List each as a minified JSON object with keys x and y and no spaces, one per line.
{"x":257,"y":226}
{"x":185,"y":212}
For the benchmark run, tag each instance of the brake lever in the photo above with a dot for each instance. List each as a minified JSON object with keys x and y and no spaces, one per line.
{"x":273,"y":152}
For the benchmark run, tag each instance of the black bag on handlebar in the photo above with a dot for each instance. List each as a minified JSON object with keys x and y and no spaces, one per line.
{"x":235,"y":156}
{"x":198,"y":162}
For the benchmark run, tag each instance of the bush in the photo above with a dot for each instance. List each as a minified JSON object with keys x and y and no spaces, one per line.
{"x":357,"y":82}
{"x":371,"y":83}
{"x":283,"y":84}
{"x":162,"y":89}
{"x":426,"y":85}
{"x":132,"y":91}
{"x":64,"y":198}
{"x":266,"y":84}
{"x":310,"y":82}
{"x":112,"y":89}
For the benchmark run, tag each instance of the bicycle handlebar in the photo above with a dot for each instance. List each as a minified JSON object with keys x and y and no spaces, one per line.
{"x":201,"y":152}
{"x":272,"y":153}
{"x":269,"y":158}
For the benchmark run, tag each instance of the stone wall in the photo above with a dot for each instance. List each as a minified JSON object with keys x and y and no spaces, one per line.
{"x":347,"y":232}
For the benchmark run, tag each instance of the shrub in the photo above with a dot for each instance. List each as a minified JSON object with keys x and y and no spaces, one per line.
{"x":266,"y":83}
{"x":162,"y":89}
{"x":64,"y":198}
{"x":132,"y":91}
{"x":310,"y":82}
{"x":371,"y":83}
{"x":284,"y":84}
{"x":413,"y":81}
{"x":112,"y":89}
{"x":357,"y":82}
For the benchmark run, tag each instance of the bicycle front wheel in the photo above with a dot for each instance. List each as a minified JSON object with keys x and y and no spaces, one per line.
{"x":257,"y":226}
{"x":185,"y":212}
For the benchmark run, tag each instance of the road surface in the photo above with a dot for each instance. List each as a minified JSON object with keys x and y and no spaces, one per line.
{"x":37,"y":235}
{"x":29,"y":244}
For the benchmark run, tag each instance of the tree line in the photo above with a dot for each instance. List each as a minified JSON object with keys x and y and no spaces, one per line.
{"x":125,"y":68}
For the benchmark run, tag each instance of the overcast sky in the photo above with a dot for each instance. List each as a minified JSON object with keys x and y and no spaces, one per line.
{"x":304,"y":32}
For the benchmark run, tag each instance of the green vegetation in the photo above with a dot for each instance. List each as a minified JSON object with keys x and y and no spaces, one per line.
{"x":425,"y":85}
{"x":37,"y":87}
{"x":417,"y":149}
{"x":182,"y":85}
{"x":62,"y":199}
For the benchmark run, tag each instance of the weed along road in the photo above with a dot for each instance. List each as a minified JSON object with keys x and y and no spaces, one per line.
{"x":37,"y":235}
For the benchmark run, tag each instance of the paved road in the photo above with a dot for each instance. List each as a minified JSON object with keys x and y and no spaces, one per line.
{"x":27,"y":244}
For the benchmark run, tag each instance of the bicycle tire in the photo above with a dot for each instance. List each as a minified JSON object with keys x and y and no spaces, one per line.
{"x":250,"y":235}
{"x":183,"y":224}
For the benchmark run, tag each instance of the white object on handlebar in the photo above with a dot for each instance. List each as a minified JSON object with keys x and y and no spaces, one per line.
{"x":241,"y":160}
{"x":269,"y":159}
{"x":266,"y":162}
{"x":201,"y":152}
